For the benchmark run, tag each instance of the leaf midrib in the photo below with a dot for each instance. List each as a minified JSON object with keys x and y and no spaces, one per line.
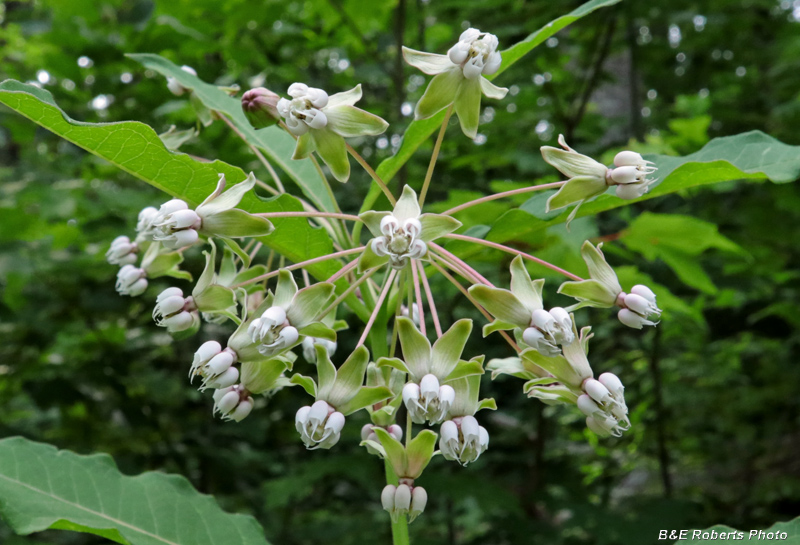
{"x":92,"y":511}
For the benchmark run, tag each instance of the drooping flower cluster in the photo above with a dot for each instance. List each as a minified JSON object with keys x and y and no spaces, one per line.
{"x":429,"y":383}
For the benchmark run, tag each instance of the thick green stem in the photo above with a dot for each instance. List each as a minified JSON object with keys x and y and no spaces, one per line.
{"x":399,"y":528}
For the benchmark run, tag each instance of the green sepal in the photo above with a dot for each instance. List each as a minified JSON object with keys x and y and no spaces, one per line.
{"x":307,"y":383}
{"x":394,"y":451}
{"x":407,"y":206}
{"x":436,"y":225}
{"x":429,"y":63}
{"x":590,"y":293}
{"x":304,"y":147}
{"x":235,"y":223}
{"x":220,"y":202}
{"x":238,"y":250}
{"x":350,"y":122}
{"x":487,"y":404}
{"x":285,"y":290}
{"x":491,"y":90}
{"x":366,"y":397}
{"x":556,"y":394}
{"x":509,"y":366}
{"x":209,"y":271}
{"x":347,"y":380}
{"x":179,"y":274}
{"x":318,"y":330}
{"x":599,"y":269}
{"x":215,"y":298}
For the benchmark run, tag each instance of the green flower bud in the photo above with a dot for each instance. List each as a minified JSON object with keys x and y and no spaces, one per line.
{"x":260,"y":107}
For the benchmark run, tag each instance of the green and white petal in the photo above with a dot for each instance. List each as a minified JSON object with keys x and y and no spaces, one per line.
{"x":590,"y":293}
{"x":326,"y":374}
{"x":369,"y":259}
{"x":502,"y":304}
{"x":576,"y":189}
{"x":469,"y":368}
{"x":529,"y":292}
{"x":307,"y":383}
{"x":318,"y":330}
{"x":416,"y":349}
{"x":349,"y":122}
{"x":429,"y":63}
{"x":419,"y":453}
{"x":491,"y":90}
{"x":395,"y":451}
{"x":437,"y":225}
{"x":260,"y":376}
{"x":447,"y":349}
{"x":285,"y":290}
{"x":333,"y":151}
{"x":468,"y":106}
{"x":307,"y":303}
{"x":599,"y":269}
{"x":509,"y":366}
{"x":304,"y":147}
{"x":407,"y":205}
{"x":497,"y":325}
{"x":349,"y":377}
{"x":218,"y":201}
{"x":345,"y":98}
{"x":440,"y":94}
{"x":235,"y":223}
{"x":372,"y":220}
{"x":395,"y":363}
{"x":366,"y":397}
{"x":571,"y":163}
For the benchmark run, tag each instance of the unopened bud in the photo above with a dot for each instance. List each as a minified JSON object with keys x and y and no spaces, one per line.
{"x":260,"y":107}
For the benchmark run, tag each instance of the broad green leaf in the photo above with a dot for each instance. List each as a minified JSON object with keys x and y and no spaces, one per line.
{"x":41,"y":488}
{"x":137,"y":149}
{"x":276,"y":144}
{"x":419,"y":131}
{"x":783,"y":532}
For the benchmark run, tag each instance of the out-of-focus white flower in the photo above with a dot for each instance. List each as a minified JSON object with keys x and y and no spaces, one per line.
{"x":463,"y":440}
{"x":631,"y":175}
{"x":604,"y":405}
{"x":122,"y":251}
{"x":176,"y":88}
{"x":176,"y":225}
{"x":215,"y":365}
{"x":233,"y":403}
{"x":319,"y":425}
{"x":173,"y":311}
{"x":310,"y":353}
{"x":131,"y":281}
{"x":638,"y":307}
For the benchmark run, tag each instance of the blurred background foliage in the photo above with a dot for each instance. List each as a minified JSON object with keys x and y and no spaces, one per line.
{"x":712,"y":390}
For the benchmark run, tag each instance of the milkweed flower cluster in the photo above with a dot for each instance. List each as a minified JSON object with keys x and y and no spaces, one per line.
{"x":406,"y":378}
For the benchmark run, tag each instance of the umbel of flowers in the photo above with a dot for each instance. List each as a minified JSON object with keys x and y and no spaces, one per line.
{"x":277,"y":325}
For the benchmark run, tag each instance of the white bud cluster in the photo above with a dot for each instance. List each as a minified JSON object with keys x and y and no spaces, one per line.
{"x":403,"y":500}
{"x":631,"y":175}
{"x":400,"y":242}
{"x":304,"y":110}
{"x":122,"y":251}
{"x":428,"y":401}
{"x":273,"y":332}
{"x":131,"y":281}
{"x":173,"y":311}
{"x":638,"y":306}
{"x":548,"y":330}
{"x":476,"y":53}
{"x":175,"y":225}
{"x":319,"y":426}
{"x":463,"y":439}
{"x":233,"y":403}
{"x":215,"y":365}
{"x":604,"y":405}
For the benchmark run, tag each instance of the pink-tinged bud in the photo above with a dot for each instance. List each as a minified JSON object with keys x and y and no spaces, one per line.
{"x":242,"y":410}
{"x":228,"y":378}
{"x":402,"y":498}
{"x":596,"y":391}
{"x":387,"y":497}
{"x":396,"y":432}
{"x":644,"y":291}
{"x":366,"y":431}
{"x":628,"y":158}
{"x":638,"y":304}
{"x":260,"y":106}
{"x":587,"y":406}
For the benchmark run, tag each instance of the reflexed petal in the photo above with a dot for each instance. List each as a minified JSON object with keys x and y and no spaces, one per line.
{"x":349,"y":121}
{"x":307,"y":303}
{"x":575,"y":190}
{"x":502,"y":304}
{"x":369,"y":259}
{"x":447,"y":349}
{"x":373,"y":220}
{"x":571,"y":163}
{"x":491,"y":90}
{"x":441,"y":92}
{"x":407,"y":206}
{"x":416,"y":348}
{"x":527,"y":291}
{"x":331,"y":149}
{"x":429,"y":63}
{"x":468,"y":106}
{"x":436,"y":225}
{"x":349,"y":377}
{"x":305,"y":145}
{"x":345,"y":98}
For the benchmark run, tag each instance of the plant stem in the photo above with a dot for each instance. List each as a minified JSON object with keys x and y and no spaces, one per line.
{"x":460,"y":262}
{"x":399,"y":528}
{"x":415,"y":281}
{"x":299,"y":266}
{"x":346,"y":293}
{"x":477,"y":305}
{"x":372,"y":173}
{"x":313,"y":214}
{"x":434,"y":156}
{"x":429,"y":295}
{"x":343,"y":271}
{"x":516,"y":252}
{"x":257,"y":153}
{"x":496,"y":196}
{"x":378,"y":305}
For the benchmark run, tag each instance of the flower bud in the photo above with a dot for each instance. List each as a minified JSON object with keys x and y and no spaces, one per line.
{"x":395,"y":431}
{"x":242,"y":410}
{"x":122,"y":251}
{"x":632,"y":319}
{"x":387,"y":497}
{"x":260,"y":106}
{"x":429,"y":387}
{"x":131,"y":281}
{"x":631,"y":191}
{"x":628,"y":158}
{"x":597,"y":391}
{"x":402,"y":498}
{"x":419,"y":499}
{"x":587,"y":406}
{"x":224,"y":380}
{"x":625,"y":175}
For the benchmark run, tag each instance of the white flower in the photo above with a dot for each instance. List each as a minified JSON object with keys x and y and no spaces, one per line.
{"x":476,"y":53}
{"x":368,"y":432}
{"x":462,"y":439}
{"x":631,"y":175}
{"x":145,"y":224}
{"x":176,"y":88}
{"x":548,"y":330}
{"x":176,"y":226}
{"x":173,"y":311}
{"x":131,"y":281}
{"x":428,"y":400}
{"x":122,"y":251}
{"x":215,"y":365}
{"x":310,"y":353}
{"x":319,"y":425}
{"x":638,"y":306}
{"x":273,"y":332}
{"x":233,"y":403}
{"x":404,"y":499}
{"x":304,"y":111}
{"x":604,"y":405}
{"x":400,"y":240}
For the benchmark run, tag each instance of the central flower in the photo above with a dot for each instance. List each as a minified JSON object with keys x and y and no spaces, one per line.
{"x":476,"y":53}
{"x":399,"y":242}
{"x":304,"y":111}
